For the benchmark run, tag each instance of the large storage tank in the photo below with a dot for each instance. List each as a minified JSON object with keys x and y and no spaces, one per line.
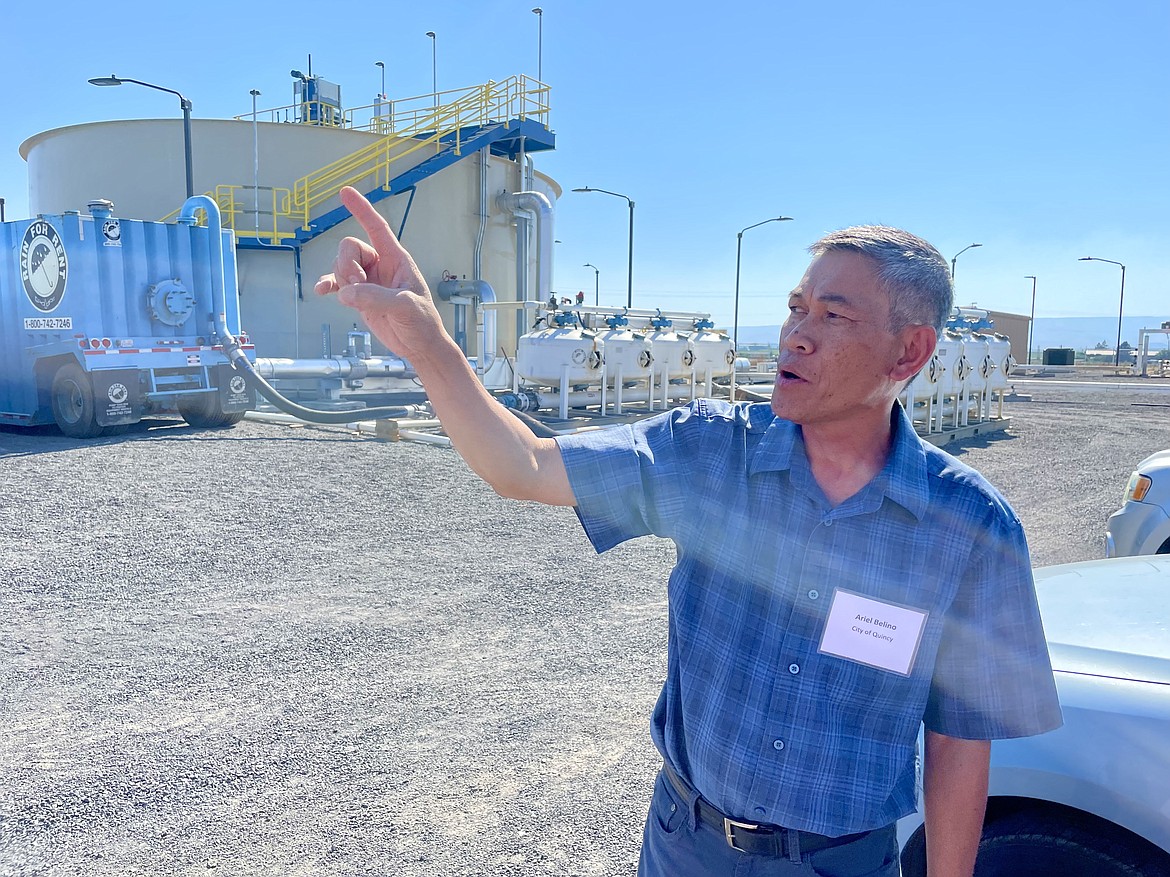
{"x":999,"y":351}
{"x":674,"y":354}
{"x":627,"y":354}
{"x":713,"y":352}
{"x":142,"y":171}
{"x":562,"y":353}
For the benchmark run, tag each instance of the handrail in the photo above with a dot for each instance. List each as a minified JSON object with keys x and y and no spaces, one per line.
{"x":375,"y":159}
{"x":407,"y":125}
{"x":524,"y":96}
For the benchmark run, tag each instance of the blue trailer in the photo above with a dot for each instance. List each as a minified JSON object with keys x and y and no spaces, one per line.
{"x":104,"y":321}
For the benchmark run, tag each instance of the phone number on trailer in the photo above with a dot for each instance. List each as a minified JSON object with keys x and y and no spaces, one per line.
{"x":33,"y":324}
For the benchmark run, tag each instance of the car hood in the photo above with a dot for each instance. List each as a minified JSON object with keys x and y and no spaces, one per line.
{"x":1108,"y":617}
{"x":1157,"y":458}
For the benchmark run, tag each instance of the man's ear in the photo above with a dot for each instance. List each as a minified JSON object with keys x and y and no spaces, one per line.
{"x":918,"y":344}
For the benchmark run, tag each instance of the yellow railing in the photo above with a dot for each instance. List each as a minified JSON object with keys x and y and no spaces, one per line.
{"x":234,"y":211}
{"x":407,"y":125}
{"x":235,"y":208}
{"x":518,"y":97}
{"x":412,"y":128}
{"x":200,"y":213}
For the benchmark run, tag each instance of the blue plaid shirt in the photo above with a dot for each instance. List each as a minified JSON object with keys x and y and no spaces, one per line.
{"x":765,"y":726}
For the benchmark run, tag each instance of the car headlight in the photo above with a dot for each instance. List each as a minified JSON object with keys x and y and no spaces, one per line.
{"x":1139,"y":485}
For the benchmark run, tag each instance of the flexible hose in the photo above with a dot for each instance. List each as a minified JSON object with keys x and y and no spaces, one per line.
{"x":231,"y":347}
{"x":312,"y":414}
{"x":236,"y":356}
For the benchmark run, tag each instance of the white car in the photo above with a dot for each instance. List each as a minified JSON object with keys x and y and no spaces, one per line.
{"x":1091,"y":799}
{"x":1142,"y":524}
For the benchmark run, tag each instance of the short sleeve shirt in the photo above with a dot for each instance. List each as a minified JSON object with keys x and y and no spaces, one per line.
{"x":764,"y":724}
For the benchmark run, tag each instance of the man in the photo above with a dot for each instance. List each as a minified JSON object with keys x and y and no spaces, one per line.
{"x":839,"y":582}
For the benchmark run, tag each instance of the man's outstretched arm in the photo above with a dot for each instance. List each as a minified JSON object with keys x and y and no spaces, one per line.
{"x":381,"y":281}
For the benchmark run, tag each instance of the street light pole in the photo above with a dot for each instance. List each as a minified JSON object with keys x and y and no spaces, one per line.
{"x":1032,"y":319}
{"x":184,"y":104}
{"x":955,"y":259}
{"x":434,"y":67}
{"x":1120,"y":306}
{"x":630,"y":280}
{"x":738,"y":249}
{"x":735,"y":317}
{"x":539,"y":44}
{"x":381,"y":66}
{"x":596,"y":283}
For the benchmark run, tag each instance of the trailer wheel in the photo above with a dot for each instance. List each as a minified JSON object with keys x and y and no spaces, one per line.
{"x":72,"y":401}
{"x":203,"y":412}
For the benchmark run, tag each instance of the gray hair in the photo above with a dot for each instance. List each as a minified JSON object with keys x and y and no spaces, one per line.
{"x":915,"y":275}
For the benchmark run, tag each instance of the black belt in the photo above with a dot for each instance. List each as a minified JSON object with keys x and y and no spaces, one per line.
{"x":751,"y":837}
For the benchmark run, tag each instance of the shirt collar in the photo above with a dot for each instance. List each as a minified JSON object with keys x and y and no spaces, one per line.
{"x":903,"y":479}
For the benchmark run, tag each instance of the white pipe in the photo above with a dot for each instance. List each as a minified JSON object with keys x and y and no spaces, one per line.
{"x":477,"y":262}
{"x":334,"y":367}
{"x":218,"y":276}
{"x":293,"y":420}
{"x":522,"y":290}
{"x":486,"y":325}
{"x":584,"y":398}
{"x":427,"y":438}
{"x":644,"y":314}
{"x":538,"y":203}
{"x":522,"y":241}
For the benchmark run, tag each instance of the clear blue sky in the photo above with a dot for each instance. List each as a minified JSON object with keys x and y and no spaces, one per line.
{"x":1038,"y":129}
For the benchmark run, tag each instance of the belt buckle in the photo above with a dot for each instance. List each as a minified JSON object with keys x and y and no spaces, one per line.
{"x":729,"y":826}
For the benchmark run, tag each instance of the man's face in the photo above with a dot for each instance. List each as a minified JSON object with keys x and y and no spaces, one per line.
{"x":837,"y":353}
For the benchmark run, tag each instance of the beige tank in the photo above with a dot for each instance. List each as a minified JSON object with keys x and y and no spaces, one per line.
{"x":139,"y":165}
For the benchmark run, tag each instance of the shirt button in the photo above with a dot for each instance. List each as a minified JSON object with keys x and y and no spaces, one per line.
{"x":813,"y":594}
{"x":827,"y":523}
{"x":777,"y":745}
{"x":794,"y":669}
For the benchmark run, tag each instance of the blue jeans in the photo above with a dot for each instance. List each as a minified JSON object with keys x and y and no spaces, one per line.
{"x":674,"y":844}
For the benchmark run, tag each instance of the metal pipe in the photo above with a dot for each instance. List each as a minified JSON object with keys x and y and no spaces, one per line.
{"x":231,"y":347}
{"x":522,"y":241}
{"x":488,"y":334}
{"x":477,"y":258}
{"x":279,"y":368}
{"x":638,"y":313}
{"x":534,"y":400}
{"x":538,"y":203}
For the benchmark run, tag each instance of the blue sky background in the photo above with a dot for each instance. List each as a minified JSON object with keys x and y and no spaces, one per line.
{"x":1038,"y":129}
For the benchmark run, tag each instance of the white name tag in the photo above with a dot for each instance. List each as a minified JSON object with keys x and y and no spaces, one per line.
{"x":882,"y":635}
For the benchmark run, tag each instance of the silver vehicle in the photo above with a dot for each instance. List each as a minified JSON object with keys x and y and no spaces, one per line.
{"x":1142,"y":524}
{"x":1091,"y":799}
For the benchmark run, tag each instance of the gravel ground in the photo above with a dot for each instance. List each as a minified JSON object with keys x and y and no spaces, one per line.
{"x":278,"y":650}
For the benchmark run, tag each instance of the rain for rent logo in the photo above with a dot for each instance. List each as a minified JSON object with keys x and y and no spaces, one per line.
{"x":44,"y":268}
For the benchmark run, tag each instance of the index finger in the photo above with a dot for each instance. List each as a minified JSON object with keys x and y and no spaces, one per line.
{"x":371,"y":220}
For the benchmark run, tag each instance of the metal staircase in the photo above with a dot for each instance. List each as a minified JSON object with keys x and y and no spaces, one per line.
{"x":506,"y":117}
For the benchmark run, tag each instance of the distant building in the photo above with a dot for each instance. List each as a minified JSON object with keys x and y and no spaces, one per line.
{"x":1015,"y":326}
